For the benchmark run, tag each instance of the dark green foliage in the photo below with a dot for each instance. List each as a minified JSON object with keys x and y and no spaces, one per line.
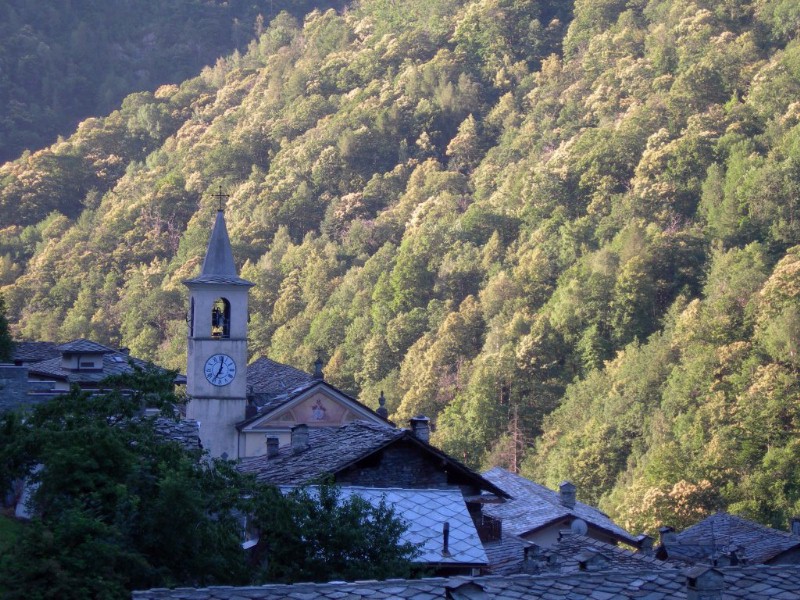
{"x":62,"y":63}
{"x":118,"y":508}
{"x":6,"y":342}
{"x":314,"y":534}
{"x":491,"y":210}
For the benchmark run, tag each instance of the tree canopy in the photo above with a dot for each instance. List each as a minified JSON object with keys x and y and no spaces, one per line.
{"x":117,"y":506}
{"x":563,"y":230}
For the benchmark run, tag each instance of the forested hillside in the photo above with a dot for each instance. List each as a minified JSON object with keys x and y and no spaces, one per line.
{"x":64,"y":60}
{"x":567,"y":232}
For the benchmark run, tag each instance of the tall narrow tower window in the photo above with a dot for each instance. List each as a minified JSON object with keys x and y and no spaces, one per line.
{"x":221,"y":319}
{"x":190,"y":318}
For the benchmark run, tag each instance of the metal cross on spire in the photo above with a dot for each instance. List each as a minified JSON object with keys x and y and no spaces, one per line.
{"x":219,"y":196}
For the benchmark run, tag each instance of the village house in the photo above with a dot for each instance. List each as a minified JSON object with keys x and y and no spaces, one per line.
{"x":43,"y":370}
{"x":540,"y":515}
{"x":725,"y":539}
{"x":440,"y":498}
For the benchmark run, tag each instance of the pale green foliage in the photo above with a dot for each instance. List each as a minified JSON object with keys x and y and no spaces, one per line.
{"x":560,"y":229}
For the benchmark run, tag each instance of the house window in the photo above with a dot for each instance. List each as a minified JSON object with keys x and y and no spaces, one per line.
{"x":87,"y":365}
{"x":221,"y":319}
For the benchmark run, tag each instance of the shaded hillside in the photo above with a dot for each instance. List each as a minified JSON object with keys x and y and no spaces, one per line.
{"x":488,"y":209}
{"x":61,"y":61}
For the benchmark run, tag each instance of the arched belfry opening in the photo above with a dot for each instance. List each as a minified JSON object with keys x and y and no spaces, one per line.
{"x":221,"y":319}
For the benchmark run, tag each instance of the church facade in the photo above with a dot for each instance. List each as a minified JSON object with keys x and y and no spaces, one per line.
{"x":238,"y":406}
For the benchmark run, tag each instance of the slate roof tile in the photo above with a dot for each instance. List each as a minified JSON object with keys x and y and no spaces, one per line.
{"x":724,"y":532}
{"x":32,"y":352}
{"x":332,"y":449}
{"x":84,"y":345}
{"x":271,"y":382}
{"x":114,"y":363}
{"x":534,"y":506}
{"x":329,"y":450}
{"x":426,"y":511}
{"x":740,"y":583}
{"x":185,"y":431}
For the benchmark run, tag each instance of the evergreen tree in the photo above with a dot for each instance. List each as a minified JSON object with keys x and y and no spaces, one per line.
{"x":6,"y":343}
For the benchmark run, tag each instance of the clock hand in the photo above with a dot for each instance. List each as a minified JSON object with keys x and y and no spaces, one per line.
{"x":219,"y":372}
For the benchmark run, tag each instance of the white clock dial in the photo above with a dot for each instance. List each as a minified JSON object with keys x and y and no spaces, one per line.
{"x":220,"y":369}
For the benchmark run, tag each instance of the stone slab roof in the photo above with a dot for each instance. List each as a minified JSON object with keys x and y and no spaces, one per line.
{"x":114,"y":363}
{"x":571,"y":549}
{"x":185,"y":431}
{"x":333,"y":449}
{"x":31,"y":352}
{"x":533,"y":506}
{"x":507,"y":556}
{"x":757,"y":582}
{"x":272,"y":385}
{"x":425,"y":512}
{"x":84,"y":345}
{"x":271,"y":382}
{"x":722,"y":533}
{"x":330,"y":449}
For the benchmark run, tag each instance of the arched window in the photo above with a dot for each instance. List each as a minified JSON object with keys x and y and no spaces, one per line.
{"x":221,"y":319}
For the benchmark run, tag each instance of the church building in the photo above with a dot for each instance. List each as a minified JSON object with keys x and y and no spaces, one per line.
{"x":238,"y":406}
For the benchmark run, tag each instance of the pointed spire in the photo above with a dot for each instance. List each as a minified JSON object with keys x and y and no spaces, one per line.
{"x":219,"y":256}
{"x":218,"y":266}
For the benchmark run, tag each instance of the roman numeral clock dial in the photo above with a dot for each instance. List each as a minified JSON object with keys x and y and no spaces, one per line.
{"x":220,"y":369}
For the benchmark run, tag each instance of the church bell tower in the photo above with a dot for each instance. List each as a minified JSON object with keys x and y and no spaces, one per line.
{"x":216,"y":372}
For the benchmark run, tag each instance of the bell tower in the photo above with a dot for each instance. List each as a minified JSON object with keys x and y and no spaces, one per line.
{"x":216,"y":372}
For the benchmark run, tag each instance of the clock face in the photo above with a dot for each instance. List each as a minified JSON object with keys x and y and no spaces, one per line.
{"x":220,"y":369}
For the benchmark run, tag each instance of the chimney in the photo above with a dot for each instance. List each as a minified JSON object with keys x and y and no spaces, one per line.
{"x":794,"y":525}
{"x":421,"y":428}
{"x":469,"y":590}
{"x":446,"y":539}
{"x":566,"y":493}
{"x":704,"y":583}
{"x":318,"y":374}
{"x":382,"y":410}
{"x":272,"y":447}
{"x":644,"y":543}
{"x":592,"y":561}
{"x":299,"y":438}
{"x":250,"y":411}
{"x":666,"y":535}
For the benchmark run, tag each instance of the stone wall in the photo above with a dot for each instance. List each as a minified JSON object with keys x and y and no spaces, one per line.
{"x":401,"y":465}
{"x":13,"y":386}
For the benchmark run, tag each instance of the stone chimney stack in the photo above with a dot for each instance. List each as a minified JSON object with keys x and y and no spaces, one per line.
{"x":645,"y":543}
{"x":566,"y":493}
{"x":421,"y":428}
{"x":704,"y":583}
{"x":592,"y":561}
{"x":272,"y":447}
{"x":666,"y":535}
{"x":794,"y":525}
{"x":299,"y":438}
{"x":382,"y":410}
{"x":250,"y":411}
{"x":318,"y":374}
